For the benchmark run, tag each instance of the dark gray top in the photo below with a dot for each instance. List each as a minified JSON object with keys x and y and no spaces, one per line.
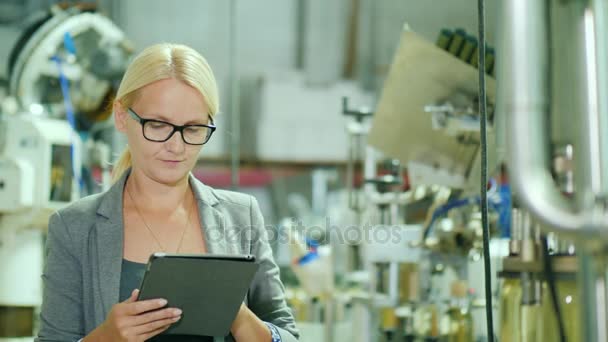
{"x":130,"y":278}
{"x":131,"y":275}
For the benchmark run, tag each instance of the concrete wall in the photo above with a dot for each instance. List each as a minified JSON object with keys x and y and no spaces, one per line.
{"x":266,"y":39}
{"x":275,"y":36}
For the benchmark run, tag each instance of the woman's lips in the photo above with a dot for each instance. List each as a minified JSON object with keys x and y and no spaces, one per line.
{"x":172,"y":162}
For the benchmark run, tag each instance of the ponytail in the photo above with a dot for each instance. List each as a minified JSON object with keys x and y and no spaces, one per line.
{"x":122,"y":165}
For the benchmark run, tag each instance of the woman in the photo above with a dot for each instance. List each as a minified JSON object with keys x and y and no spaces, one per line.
{"x":97,"y":247}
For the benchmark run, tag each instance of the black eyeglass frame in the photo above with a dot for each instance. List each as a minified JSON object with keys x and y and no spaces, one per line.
{"x":176,"y":128}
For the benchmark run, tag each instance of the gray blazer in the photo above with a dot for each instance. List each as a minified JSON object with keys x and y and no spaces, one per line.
{"x":84,"y":255}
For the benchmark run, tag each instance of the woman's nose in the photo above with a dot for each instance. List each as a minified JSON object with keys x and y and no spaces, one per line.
{"x":176,"y":143}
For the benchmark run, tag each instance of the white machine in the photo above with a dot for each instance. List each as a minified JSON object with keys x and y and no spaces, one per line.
{"x":36,"y":178}
{"x":55,"y":142}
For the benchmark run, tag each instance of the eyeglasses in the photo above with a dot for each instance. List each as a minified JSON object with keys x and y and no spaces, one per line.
{"x":161,"y":131}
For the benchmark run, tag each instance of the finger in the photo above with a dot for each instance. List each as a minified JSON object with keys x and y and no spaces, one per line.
{"x":151,"y":334}
{"x":122,"y":308}
{"x":145,"y":305}
{"x":156,"y":315}
{"x":133,"y":297}
{"x":154,"y":326}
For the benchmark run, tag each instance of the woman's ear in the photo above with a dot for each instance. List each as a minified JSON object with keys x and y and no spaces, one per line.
{"x":120,"y":117}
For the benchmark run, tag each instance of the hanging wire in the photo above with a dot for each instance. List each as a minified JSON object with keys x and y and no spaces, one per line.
{"x":484,"y":168}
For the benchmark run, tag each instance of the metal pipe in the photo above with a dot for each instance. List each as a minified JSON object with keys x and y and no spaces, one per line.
{"x":592,"y":292}
{"x":357,"y":130}
{"x":589,"y":102}
{"x":235,"y":115}
{"x":319,"y":192}
{"x":353,"y":156}
{"x":329,"y":326}
{"x":600,"y":9}
{"x":602,"y":290}
{"x":523,"y":71}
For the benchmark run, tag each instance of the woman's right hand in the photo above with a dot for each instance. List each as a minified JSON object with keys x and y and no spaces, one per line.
{"x":135,"y":321}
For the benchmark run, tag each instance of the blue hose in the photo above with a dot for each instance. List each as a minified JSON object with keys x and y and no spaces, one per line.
{"x":497,"y":200}
{"x":69,"y":46}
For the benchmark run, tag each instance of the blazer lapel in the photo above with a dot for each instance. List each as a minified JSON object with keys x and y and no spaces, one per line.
{"x":110,"y":241}
{"x":212,"y":220}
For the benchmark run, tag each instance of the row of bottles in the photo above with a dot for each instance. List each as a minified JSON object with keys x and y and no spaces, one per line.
{"x":466,"y":48}
{"x":433,"y":320}
{"x":526,"y":309}
{"x":451,"y":324}
{"x":536,"y":322}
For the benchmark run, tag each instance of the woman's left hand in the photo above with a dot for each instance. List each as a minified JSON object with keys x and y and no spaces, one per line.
{"x":248,"y":327}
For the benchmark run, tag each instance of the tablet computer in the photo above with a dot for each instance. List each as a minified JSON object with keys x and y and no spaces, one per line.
{"x":209,"y":289}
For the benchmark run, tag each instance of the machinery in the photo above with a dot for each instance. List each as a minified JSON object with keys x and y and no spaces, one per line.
{"x":55,"y":141}
{"x":554,"y":92}
{"x":66,"y":64}
{"x":36,"y":178}
{"x":415,"y":255}
{"x":550,"y":98}
{"x":425,"y":120}
{"x":412,"y":177}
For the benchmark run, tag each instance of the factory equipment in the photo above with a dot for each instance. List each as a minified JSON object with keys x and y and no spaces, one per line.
{"x":553,"y":91}
{"x":357,"y":129}
{"x":553,"y":88}
{"x":427,"y":118}
{"x":83,"y":50}
{"x":384,"y":252}
{"x":359,"y":154}
{"x":392,"y":263}
{"x":66,"y":64}
{"x":37,"y":155}
{"x":409,"y":277}
{"x":55,"y":141}
{"x":527,"y":311}
{"x":539,"y":267}
{"x":407,"y":299}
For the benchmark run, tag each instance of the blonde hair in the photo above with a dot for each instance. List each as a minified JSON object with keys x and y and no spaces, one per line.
{"x":158,"y":62}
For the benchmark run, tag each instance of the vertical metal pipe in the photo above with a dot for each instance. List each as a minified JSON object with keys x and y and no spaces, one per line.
{"x":366,"y":52}
{"x":600,"y":10}
{"x":601,"y":306}
{"x":523,"y":71}
{"x":370,"y":160}
{"x":330,"y":316}
{"x":385,"y":215}
{"x":235,"y":119}
{"x":592,"y":291}
{"x":353,"y":156}
{"x":603,"y":315}
{"x":319,"y":192}
{"x":300,"y":36}
{"x":588,"y":159}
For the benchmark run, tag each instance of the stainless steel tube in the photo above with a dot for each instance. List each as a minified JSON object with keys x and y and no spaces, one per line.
{"x":599,"y":9}
{"x":592,"y":292}
{"x":592,"y":95}
{"x":523,"y":73}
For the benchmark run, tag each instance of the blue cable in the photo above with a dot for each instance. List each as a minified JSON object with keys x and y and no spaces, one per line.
{"x":69,"y":46}
{"x":496,"y":200}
